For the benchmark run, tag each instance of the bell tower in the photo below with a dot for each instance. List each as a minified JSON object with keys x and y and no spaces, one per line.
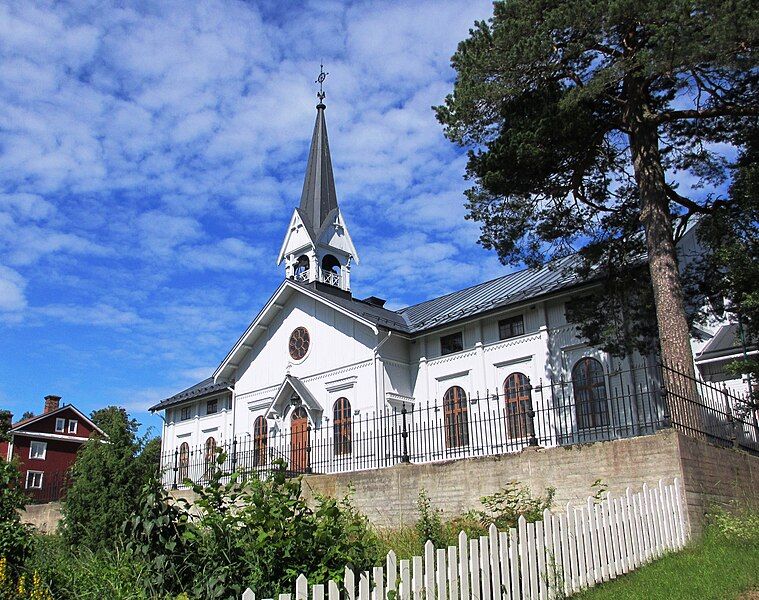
{"x":317,"y":247}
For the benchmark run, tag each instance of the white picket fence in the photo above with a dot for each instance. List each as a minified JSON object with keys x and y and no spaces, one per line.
{"x":572,"y":550}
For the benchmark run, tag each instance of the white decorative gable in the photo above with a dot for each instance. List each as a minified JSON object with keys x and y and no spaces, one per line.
{"x":297,"y":238}
{"x":335,"y":236}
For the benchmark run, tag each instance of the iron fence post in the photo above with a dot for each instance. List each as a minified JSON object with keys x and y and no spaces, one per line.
{"x":404,"y":435}
{"x":176,"y":468}
{"x":730,"y":418}
{"x":234,"y":454}
{"x":531,"y":439}
{"x":308,"y":449}
{"x":663,"y":393}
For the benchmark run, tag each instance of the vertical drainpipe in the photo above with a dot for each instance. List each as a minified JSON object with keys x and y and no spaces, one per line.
{"x":233,"y":408}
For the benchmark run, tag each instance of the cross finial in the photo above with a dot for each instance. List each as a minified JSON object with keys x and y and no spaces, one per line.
{"x":320,"y":80}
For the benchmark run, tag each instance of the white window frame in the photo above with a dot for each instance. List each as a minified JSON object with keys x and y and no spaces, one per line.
{"x":31,"y":452}
{"x":31,"y":480}
{"x":60,"y":425}
{"x":75,"y":424}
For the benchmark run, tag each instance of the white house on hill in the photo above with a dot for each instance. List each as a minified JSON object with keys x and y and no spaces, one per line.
{"x":319,"y":371}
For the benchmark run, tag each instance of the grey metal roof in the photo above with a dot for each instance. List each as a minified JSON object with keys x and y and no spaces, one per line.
{"x":483,"y":297}
{"x":725,"y":342}
{"x":319,"y":197}
{"x":199,"y":390}
{"x":496,"y":293}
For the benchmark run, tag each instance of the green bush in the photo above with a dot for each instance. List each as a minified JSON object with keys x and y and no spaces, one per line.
{"x":256,"y":533}
{"x":429,"y":526}
{"x":106,"y":481}
{"x":512,"y":501}
{"x":15,"y":537}
{"x":737,"y":525}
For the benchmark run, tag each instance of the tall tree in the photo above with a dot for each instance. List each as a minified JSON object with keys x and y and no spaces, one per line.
{"x":728,"y":275}
{"x":107,"y":478}
{"x":578,"y":113}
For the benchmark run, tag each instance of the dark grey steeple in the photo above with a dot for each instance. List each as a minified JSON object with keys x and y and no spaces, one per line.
{"x":319,"y":198}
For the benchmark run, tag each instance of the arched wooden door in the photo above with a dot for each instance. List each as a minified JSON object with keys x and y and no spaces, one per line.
{"x":299,"y":440}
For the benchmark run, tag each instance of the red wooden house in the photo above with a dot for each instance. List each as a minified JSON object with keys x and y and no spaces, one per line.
{"x":46,"y":447}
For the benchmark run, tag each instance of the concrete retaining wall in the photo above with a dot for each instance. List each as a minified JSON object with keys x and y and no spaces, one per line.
{"x":388,"y":496}
{"x":44,"y":517}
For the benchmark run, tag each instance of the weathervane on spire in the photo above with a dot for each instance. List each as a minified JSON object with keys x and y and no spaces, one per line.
{"x":320,"y":80}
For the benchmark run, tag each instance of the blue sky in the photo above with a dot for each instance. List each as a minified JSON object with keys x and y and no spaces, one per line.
{"x":151,"y":154}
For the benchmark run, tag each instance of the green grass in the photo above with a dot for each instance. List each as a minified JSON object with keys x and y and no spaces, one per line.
{"x":717,"y":566}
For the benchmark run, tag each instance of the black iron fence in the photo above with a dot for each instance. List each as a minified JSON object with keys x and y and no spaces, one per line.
{"x":595,"y":406}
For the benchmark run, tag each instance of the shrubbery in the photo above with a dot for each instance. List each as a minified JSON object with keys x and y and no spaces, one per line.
{"x":106,"y":480}
{"x":254,"y":533}
{"x":15,"y":537}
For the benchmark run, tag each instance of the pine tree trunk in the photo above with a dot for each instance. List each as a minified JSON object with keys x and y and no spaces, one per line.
{"x":674,"y":333}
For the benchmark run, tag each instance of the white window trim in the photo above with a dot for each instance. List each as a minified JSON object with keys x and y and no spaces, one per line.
{"x":75,"y":423}
{"x":62,"y":423}
{"x":44,"y":450}
{"x":34,"y":487}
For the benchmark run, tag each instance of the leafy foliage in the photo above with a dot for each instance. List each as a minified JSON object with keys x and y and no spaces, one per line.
{"x":21,"y":588}
{"x":254,"y":533}
{"x":728,"y":276}
{"x":579,"y":114}
{"x":15,"y":537}
{"x":429,"y":526}
{"x":107,"y":477}
{"x":156,"y":537}
{"x":5,"y":424}
{"x":514,"y":500}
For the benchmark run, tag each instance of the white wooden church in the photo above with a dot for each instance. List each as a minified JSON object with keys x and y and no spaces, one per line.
{"x":323,"y":379}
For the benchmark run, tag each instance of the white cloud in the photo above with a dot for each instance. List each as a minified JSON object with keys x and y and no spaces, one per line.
{"x":12,"y":284}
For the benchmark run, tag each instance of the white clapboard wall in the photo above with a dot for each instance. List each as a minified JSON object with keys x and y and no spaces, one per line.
{"x":572,"y":550}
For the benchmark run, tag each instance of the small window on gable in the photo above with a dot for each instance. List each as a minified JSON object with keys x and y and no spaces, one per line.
{"x":212,"y":406}
{"x":451,"y":343}
{"x":60,"y":425}
{"x":73,"y":425}
{"x":185,"y":413}
{"x":33,"y":480}
{"x":38,"y":450}
{"x":511,"y":327}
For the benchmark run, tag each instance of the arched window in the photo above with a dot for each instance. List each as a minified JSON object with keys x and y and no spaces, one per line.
{"x":301,"y":267}
{"x":260,"y":441}
{"x":209,"y":455}
{"x":184,"y":461}
{"x":456,"y":418}
{"x":591,"y":404}
{"x":342,"y":427}
{"x":330,"y":263}
{"x":516,"y":392}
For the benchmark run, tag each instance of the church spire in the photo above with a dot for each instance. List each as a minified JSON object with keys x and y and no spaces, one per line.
{"x":319,"y":197}
{"x":317,"y":248}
